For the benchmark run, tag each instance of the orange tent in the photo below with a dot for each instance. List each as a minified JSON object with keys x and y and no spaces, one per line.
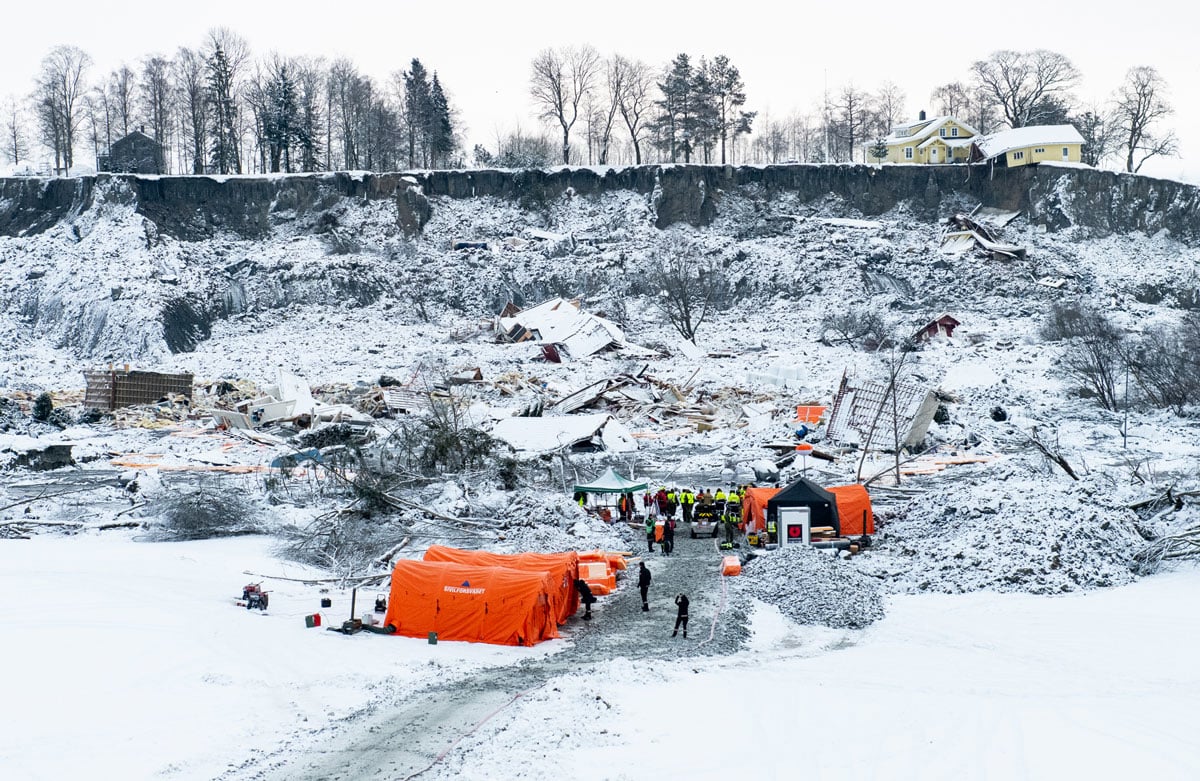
{"x":477,"y":604}
{"x":563,"y":569}
{"x":852,"y":503}
{"x":754,"y":507}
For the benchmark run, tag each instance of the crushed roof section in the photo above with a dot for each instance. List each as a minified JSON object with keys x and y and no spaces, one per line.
{"x":1007,"y":140}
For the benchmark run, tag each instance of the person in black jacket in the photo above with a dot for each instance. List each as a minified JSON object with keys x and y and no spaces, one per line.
{"x":585,"y":596}
{"x":668,"y":543}
{"x":644,"y":585}
{"x":681,"y":618}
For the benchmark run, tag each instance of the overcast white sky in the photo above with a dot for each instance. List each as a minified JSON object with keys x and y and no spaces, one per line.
{"x":785,"y":51}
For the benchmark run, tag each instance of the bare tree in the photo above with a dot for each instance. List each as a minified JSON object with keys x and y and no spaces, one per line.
{"x":192,"y":98}
{"x":889,"y":106}
{"x":560,"y":80}
{"x":1140,"y":105}
{"x":1024,"y":84}
{"x":605,"y":113}
{"x":1094,"y":353}
{"x":951,"y":100}
{"x":687,"y":288}
{"x":121,"y":86}
{"x":100,"y":114}
{"x":59,"y":99}
{"x":13,"y":125}
{"x":1101,"y":136}
{"x":634,"y":99}
{"x":853,"y":117}
{"x":157,"y":102}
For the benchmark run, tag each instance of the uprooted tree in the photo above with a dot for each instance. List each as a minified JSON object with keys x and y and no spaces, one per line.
{"x":385,"y":486}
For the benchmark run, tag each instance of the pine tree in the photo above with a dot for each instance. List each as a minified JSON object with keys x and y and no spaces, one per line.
{"x":417,"y":112}
{"x":879,"y":150}
{"x":677,"y":108}
{"x":225,"y":156}
{"x":280,"y":125}
{"x":440,"y":126}
{"x":728,"y":95}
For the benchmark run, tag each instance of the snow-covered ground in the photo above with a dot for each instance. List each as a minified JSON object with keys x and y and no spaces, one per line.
{"x":127,"y":660}
{"x":1016,"y":640}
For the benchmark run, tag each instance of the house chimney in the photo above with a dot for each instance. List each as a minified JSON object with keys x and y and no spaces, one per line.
{"x":921,"y":116}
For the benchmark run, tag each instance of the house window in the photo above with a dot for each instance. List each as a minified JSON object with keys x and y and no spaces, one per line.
{"x":1018,"y":155}
{"x":908,"y":153}
{"x":954,"y":132}
{"x":1065,"y":153}
{"x":1040,"y":151}
{"x":942,"y":132}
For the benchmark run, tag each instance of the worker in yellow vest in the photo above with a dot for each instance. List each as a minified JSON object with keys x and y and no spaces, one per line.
{"x":733,"y":508}
{"x":719,"y":500}
{"x":687,"y":499}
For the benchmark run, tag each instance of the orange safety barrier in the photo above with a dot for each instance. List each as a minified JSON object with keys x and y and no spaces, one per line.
{"x":731,"y":565}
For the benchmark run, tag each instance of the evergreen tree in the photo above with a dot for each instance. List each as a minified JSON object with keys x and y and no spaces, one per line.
{"x":417,"y":112}
{"x":879,"y":150}
{"x":728,"y":95}
{"x":677,"y":107}
{"x":280,"y":126}
{"x":225,"y":155}
{"x":702,"y":125}
{"x":440,"y":133}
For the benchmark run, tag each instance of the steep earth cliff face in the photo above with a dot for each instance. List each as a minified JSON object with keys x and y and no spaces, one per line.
{"x":139,"y":268}
{"x":192,"y":208}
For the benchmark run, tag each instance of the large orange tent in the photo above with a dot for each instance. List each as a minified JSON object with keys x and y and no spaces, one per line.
{"x":852,"y":502}
{"x":477,"y":604}
{"x":854,"y":509}
{"x":563,"y":569}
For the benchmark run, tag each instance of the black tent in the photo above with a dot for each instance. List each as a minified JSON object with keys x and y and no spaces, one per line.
{"x":821,"y":504}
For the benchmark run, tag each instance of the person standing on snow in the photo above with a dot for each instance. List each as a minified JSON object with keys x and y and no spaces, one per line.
{"x":644,"y":586}
{"x":668,"y":536}
{"x":650,"y":534}
{"x":681,"y":616}
{"x":586,"y":597}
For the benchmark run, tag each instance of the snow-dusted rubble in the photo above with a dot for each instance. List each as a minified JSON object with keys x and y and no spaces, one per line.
{"x":811,"y":586}
{"x":1006,"y":529}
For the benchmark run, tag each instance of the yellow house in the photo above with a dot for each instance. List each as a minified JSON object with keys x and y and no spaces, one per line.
{"x":1025,"y":145}
{"x":929,"y":141}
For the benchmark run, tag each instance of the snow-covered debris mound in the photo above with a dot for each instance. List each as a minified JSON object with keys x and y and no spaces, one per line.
{"x":813,"y":587}
{"x":547,"y":523}
{"x":1009,"y":533}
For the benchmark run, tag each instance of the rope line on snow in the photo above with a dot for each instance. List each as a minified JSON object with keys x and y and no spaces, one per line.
{"x":712,"y":630}
{"x":469,"y":732}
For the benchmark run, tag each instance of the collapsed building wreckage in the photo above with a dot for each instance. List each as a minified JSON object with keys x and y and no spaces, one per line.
{"x":981,"y":228}
{"x":611,"y":413}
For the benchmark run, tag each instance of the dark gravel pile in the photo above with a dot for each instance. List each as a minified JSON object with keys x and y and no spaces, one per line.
{"x":812,"y":587}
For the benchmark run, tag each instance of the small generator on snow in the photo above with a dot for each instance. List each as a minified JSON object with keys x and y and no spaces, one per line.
{"x":254,"y":597}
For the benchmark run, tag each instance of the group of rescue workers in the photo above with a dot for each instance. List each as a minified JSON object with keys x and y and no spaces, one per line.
{"x":717,"y":506}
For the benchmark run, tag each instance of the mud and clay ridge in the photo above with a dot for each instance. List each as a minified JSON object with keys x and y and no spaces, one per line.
{"x":194,"y":208}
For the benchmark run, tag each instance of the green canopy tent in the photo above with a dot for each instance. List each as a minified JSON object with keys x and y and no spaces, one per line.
{"x":610,"y":483}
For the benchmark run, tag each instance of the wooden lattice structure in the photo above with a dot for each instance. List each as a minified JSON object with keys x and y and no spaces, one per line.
{"x":109,"y":389}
